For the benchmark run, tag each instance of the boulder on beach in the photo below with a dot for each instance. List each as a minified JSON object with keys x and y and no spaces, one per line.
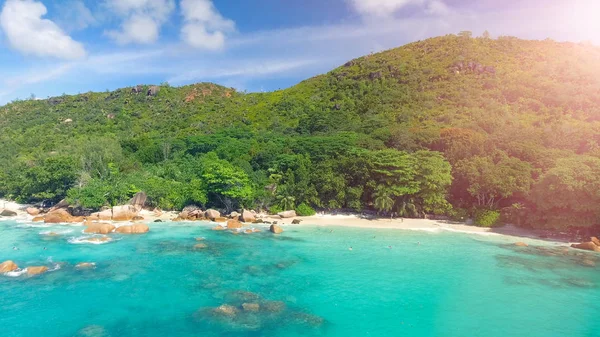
{"x":36,"y":270}
{"x":258,"y":221}
{"x":61,"y":216}
{"x":587,"y":246}
{"x":234,"y":224}
{"x":296,"y":221}
{"x":595,"y":240}
{"x":99,"y":228}
{"x":251,"y":307}
{"x":247,"y":216}
{"x":287,"y":214}
{"x":212,"y":214}
{"x":8,"y":266}
{"x":32,"y":211}
{"x":133,"y":229}
{"x":220,"y":219}
{"x":124,"y":213}
{"x":276,"y":229}
{"x":234,"y":215}
{"x":105,"y":215}
{"x":521,"y":244}
{"x":38,"y":219}
{"x":7,"y":212}
{"x":85,"y":265}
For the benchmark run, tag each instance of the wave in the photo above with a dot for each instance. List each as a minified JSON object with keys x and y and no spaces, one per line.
{"x":56,"y":232}
{"x":90,"y":240}
{"x":16,"y":273}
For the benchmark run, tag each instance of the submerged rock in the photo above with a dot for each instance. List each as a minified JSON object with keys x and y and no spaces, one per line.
{"x":102,"y":239}
{"x":226,"y":310}
{"x":8,"y":266}
{"x":36,"y":270}
{"x":218,"y":228}
{"x":251,"y":307}
{"x":92,"y":331}
{"x":276,"y":229}
{"x":85,"y":265}
{"x":273,"y":306}
{"x":200,"y":246}
{"x":521,"y":244}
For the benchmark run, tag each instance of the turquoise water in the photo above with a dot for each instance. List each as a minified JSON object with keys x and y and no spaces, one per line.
{"x":157,"y":285}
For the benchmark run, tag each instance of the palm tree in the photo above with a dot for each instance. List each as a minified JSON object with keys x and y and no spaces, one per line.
{"x":382,"y":199}
{"x":286,"y":202}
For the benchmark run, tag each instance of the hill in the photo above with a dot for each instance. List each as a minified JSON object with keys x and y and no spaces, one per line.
{"x":451,"y":125}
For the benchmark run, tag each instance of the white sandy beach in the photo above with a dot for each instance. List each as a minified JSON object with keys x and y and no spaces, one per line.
{"x":345,"y":220}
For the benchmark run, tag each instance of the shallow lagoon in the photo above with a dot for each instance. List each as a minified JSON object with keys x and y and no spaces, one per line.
{"x":157,"y":284}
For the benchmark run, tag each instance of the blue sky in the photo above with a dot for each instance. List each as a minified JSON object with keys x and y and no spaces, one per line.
{"x":50,"y":47}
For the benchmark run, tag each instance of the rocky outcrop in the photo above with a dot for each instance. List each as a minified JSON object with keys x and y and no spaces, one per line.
{"x":153,"y":90}
{"x":36,"y":270}
{"x":61,"y":216}
{"x":133,"y":229}
{"x":7,"y":212}
{"x":8,"y":266}
{"x":212,"y":214}
{"x":220,"y":219}
{"x":276,"y":229}
{"x":287,"y":214}
{"x":99,"y":228}
{"x":595,"y":240}
{"x":63,"y":204}
{"x":234,"y":215}
{"x":124,"y":213}
{"x":234,"y":224}
{"x":139,"y":200}
{"x":32,"y":211}
{"x":247,"y":216}
{"x":587,"y":246}
{"x":38,"y":219}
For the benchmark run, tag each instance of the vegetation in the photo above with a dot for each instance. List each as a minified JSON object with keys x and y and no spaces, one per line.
{"x":453,"y":125}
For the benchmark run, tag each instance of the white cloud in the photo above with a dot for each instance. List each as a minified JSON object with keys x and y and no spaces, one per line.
{"x":387,"y":8}
{"x":29,"y":33}
{"x":74,"y":15}
{"x":142,"y":19}
{"x":204,"y":27}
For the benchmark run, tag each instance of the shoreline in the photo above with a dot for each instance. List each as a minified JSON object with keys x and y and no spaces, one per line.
{"x":354,"y":221}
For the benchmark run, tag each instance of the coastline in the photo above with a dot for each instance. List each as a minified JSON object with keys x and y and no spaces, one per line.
{"x":355,"y":221}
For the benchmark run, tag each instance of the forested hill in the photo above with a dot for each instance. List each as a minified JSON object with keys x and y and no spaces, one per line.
{"x":451,"y":125}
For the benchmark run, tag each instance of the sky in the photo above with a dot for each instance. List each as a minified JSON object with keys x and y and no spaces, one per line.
{"x":51,"y":47}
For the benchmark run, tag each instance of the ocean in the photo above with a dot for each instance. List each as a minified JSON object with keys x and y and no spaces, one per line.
{"x":308,"y":281}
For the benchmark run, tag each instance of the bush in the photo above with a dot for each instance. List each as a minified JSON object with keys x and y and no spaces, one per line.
{"x":305,"y":210}
{"x":487,"y":218}
{"x":275,"y":209}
